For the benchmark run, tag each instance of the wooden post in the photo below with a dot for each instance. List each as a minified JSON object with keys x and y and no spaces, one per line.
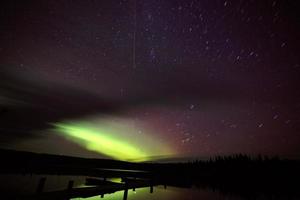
{"x":125,"y":191}
{"x":70,"y":185}
{"x":41,"y":185}
{"x":151,"y":188}
{"x":133,"y":189}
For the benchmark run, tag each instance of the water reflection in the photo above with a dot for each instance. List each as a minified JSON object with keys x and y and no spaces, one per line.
{"x":27,"y":185}
{"x":171,"y":193}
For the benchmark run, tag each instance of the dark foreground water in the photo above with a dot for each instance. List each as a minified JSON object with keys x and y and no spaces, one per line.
{"x":26,"y":184}
{"x":170,"y":193}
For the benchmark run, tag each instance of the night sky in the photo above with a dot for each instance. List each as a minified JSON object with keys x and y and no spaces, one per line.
{"x":150,"y":78}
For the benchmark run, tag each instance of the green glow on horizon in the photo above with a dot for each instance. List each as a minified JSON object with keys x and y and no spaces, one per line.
{"x":113,"y":140}
{"x":102,"y":143}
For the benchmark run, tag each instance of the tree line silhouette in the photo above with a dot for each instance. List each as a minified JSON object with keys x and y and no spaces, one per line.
{"x":243,"y":175}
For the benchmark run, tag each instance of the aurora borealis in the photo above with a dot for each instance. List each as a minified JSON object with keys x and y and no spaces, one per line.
{"x":113,"y":141}
{"x":98,"y":141}
{"x":144,"y":79}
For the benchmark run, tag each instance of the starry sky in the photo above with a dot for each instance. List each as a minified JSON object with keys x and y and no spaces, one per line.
{"x":172,"y":78}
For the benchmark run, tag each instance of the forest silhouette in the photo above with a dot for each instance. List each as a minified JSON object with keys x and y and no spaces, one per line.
{"x":242,"y":175}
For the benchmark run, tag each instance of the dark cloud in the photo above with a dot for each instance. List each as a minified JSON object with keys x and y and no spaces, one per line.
{"x":30,"y":104}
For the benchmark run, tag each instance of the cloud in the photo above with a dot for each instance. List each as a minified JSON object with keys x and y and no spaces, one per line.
{"x":30,"y":103}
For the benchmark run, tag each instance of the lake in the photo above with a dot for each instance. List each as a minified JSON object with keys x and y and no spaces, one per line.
{"x":26,"y":184}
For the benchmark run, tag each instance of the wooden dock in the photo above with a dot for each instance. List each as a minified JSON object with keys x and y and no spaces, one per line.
{"x":100,"y":190}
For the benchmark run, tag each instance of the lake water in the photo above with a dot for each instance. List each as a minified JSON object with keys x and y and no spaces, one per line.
{"x":170,"y":193}
{"x":26,"y":184}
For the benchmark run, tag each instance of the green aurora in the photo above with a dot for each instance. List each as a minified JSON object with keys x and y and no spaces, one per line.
{"x":116,"y":140}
